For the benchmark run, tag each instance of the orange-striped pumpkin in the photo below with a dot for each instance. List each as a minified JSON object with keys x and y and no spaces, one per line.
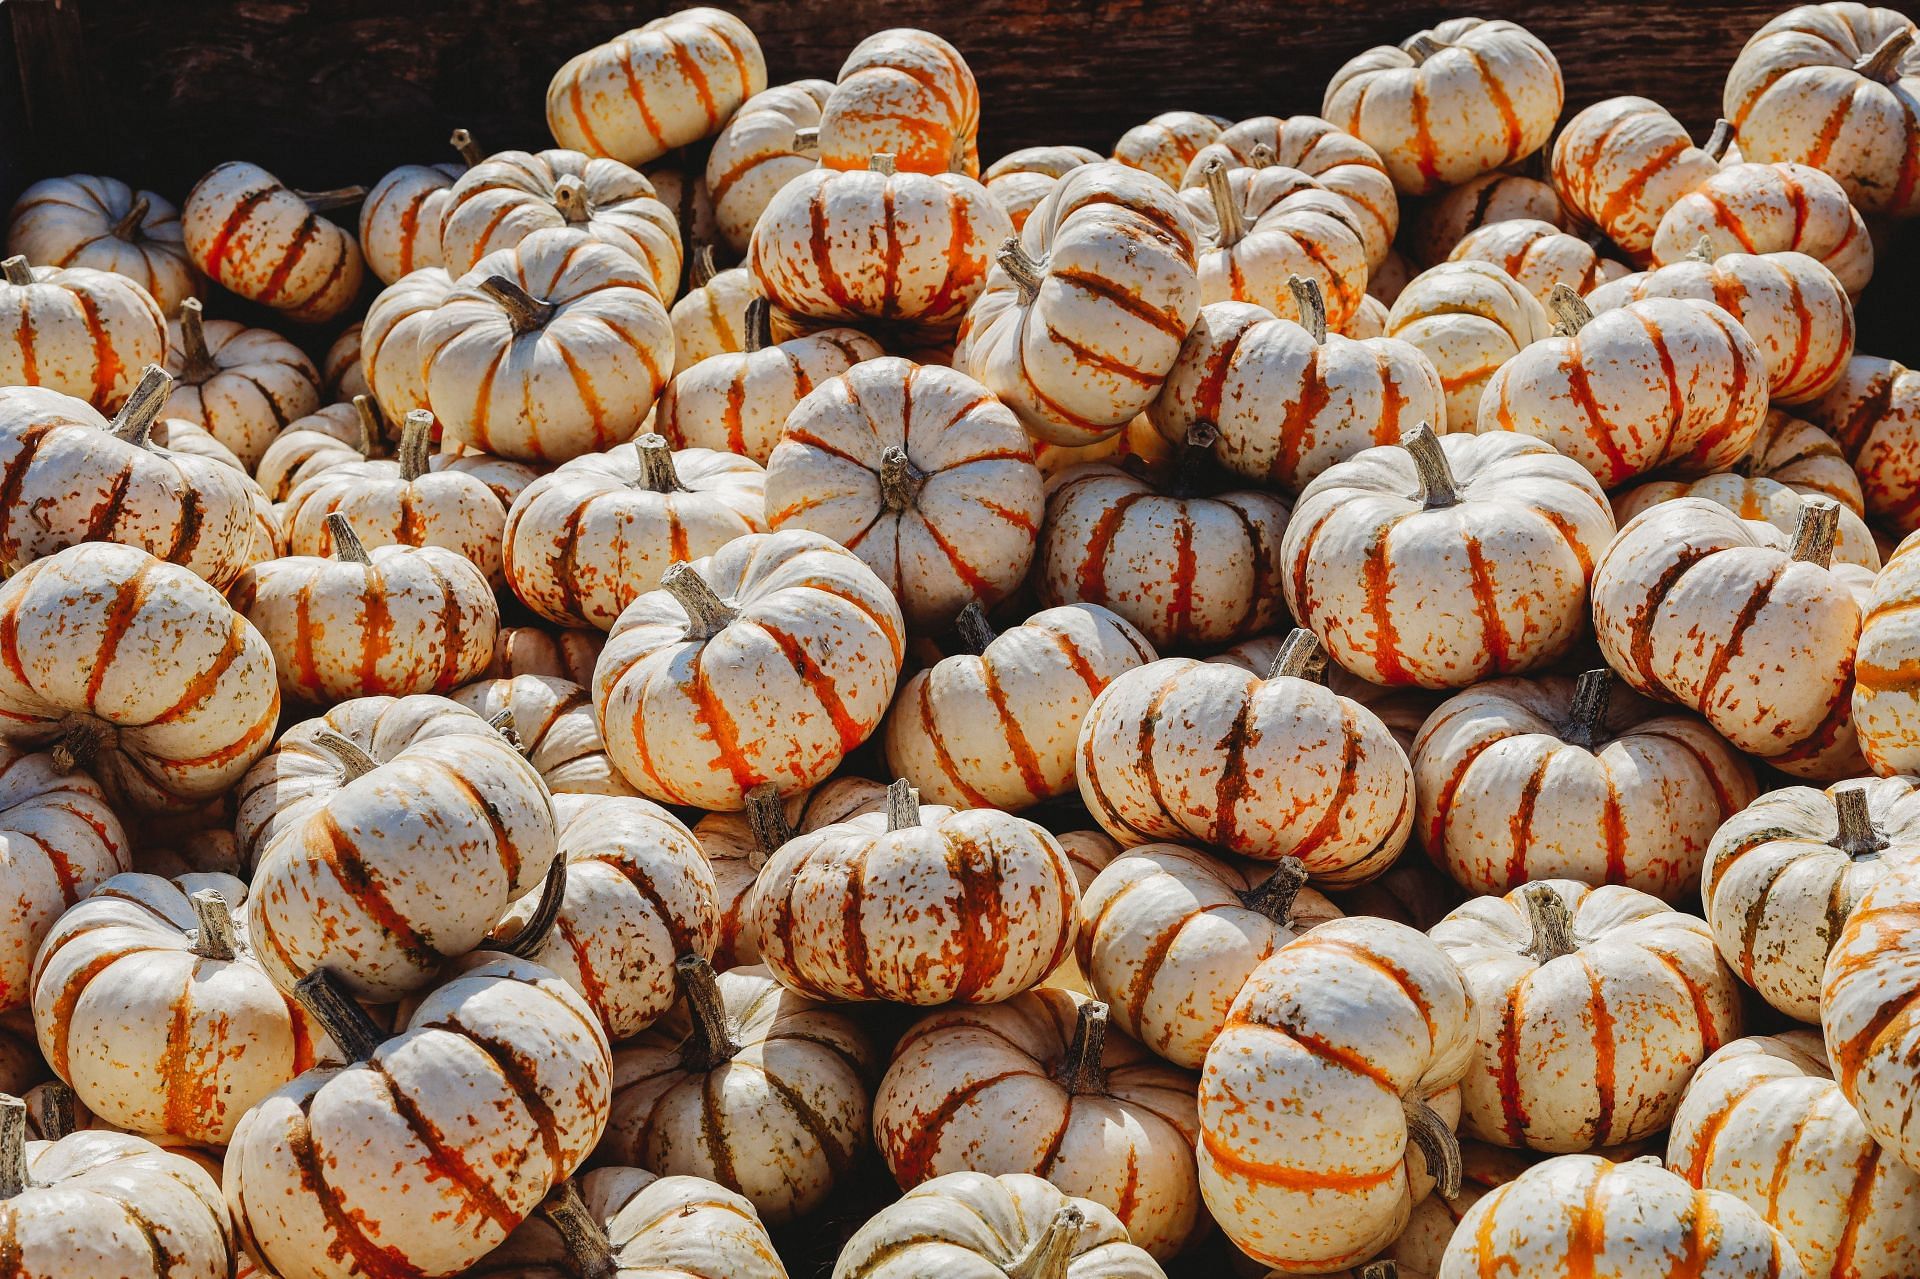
{"x":1886,"y":696}
{"x":1307,"y":1039}
{"x":1864,"y":997}
{"x":1468,"y":318}
{"x":333,"y":436}
{"x":1539,"y":255}
{"x":1793,"y":451}
{"x":391,"y":356}
{"x":1874,"y":412}
{"x":251,"y":233}
{"x":1138,"y":446}
{"x":772,"y":139}
{"x":1166,"y":145}
{"x":906,"y":92}
{"x":401,"y":217}
{"x":244,"y":385}
{"x":707,"y":320}
{"x":1403,"y":710}
{"x":553,"y":719}
{"x":104,"y":224}
{"x":1493,"y":197}
{"x":341,"y":374}
{"x":1770,"y":208}
{"x":1754,"y":497}
{"x":660,"y":86}
{"x":1424,"y":1241}
{"x":1620,"y":164}
{"x":1261,"y":226}
{"x":75,"y":330}
{"x":553,"y":652}
{"x":1019,"y":180}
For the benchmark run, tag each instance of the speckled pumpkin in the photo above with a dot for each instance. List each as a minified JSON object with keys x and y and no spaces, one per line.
{"x":244,"y":385}
{"x":251,"y":233}
{"x":1261,"y":226}
{"x":1886,"y":696}
{"x":1874,"y":412}
{"x":1459,"y":211}
{"x":906,"y":92}
{"x":1770,"y":208}
{"x":103,"y":224}
{"x":78,"y":331}
{"x":1468,"y":318}
{"x":400,"y":219}
{"x":531,"y":650}
{"x":553,"y":719}
{"x":707,"y":318}
{"x":1539,"y":255}
{"x":772,"y":139}
{"x":1621,"y":163}
{"x":391,"y":356}
{"x":1753,"y":497}
{"x":1166,"y":145}
{"x":1020,"y":180}
{"x":1793,"y":451}
{"x":334,"y":435}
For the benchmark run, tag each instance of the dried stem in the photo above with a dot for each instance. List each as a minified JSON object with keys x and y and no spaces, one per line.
{"x":216,"y":938}
{"x":13,"y":1145}
{"x":704,"y":267}
{"x":1312,"y":304}
{"x":17,"y":271}
{"x":900,"y":480}
{"x":570,"y":197}
{"x":1081,"y":1070}
{"x":470,"y":152}
{"x":707,"y":613}
{"x":322,"y":995}
{"x":1883,"y":64}
{"x":656,"y":464}
{"x":366,"y":416}
{"x":882,"y":162}
{"x":1550,"y":925}
{"x":1586,"y":718}
{"x":553,"y":894}
{"x":767,"y":819}
{"x":334,"y":198}
{"x":135,"y":420}
{"x":1719,"y":140}
{"x":81,"y":744}
{"x":1026,"y":272}
{"x":128,"y":227}
{"x":353,"y":761}
{"x":976,"y":632}
{"x":1428,"y":1133}
{"x":1049,"y":1254}
{"x":710,"y":1041}
{"x":1857,"y":836}
{"x":1814,"y":533}
{"x":416,"y":445}
{"x":1437,"y":486}
{"x":525,"y":312}
{"x":1231,"y":227}
{"x":806,"y":138}
{"x":1274,"y":896}
{"x":1422,"y":46}
{"x":757,"y":327}
{"x":903,"y":805}
{"x":196,"y":362}
{"x":1570,"y":311}
{"x":583,"y":1237}
{"x":53,"y":1110}
{"x":347,"y":546}
{"x":1300,"y":657}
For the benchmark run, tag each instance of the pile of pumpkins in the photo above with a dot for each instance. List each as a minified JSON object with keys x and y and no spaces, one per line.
{"x":1302,"y":685}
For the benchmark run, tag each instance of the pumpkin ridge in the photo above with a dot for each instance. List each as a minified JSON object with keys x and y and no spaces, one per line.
{"x":128,"y":597}
{"x":207,"y":682}
{"x":912,"y":1160}
{"x":1839,"y":712}
{"x":839,"y":1159}
{"x":102,"y":518}
{"x":1328,"y":827}
{"x":443,"y":1157}
{"x":296,"y":248}
{"x":1605,"y":1064}
{"x":1293,"y":1178}
{"x":1858,"y":1207}
{"x":60,"y":1018}
{"x":164,"y":1261}
{"x":1514,"y":1120}
{"x":1378,"y":586}
{"x":181,"y":1106}
{"x":1368,"y":959}
{"x":1702,"y":1009}
{"x":1760,"y":906}
{"x":1521,"y":823}
{"x":338,"y":854}
{"x":225,"y":754}
{"x":378,"y":1260}
{"x":106,"y":361}
{"x":522,"y":1081}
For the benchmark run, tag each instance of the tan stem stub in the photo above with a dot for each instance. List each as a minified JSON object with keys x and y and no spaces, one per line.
{"x":470,"y":152}
{"x":1018,"y":263}
{"x":1051,"y":1251}
{"x":1083,"y":1072}
{"x":767,"y":819}
{"x":707,"y":613}
{"x":883,"y":162}
{"x":333,"y":198}
{"x":553,"y":895}
{"x":525,"y":312}
{"x":1883,"y":63}
{"x":584,"y":1239}
{"x":1381,"y":1270}
{"x":1570,"y":311}
{"x":1856,"y":836}
{"x":196,"y":361}
{"x":17,"y":270}
{"x":128,"y":227}
{"x":704,"y":267}
{"x":656,"y":464}
{"x":570,"y":197}
{"x":1301,"y":656}
{"x":13,"y":1145}
{"x":1586,"y":718}
{"x":1428,"y":1133}
{"x":757,"y":325}
{"x":353,"y":761}
{"x":1437,"y":487}
{"x":501,"y":722}
{"x":900,"y":480}
{"x":710,"y":1041}
{"x":1702,"y":250}
{"x":903,"y":805}
{"x":1275,"y":895}
{"x":976,"y":632}
{"x":134,"y":422}
{"x":416,"y":445}
{"x":1312,"y":304}
{"x":1262,"y":157}
{"x":1421,"y":46}
{"x":216,"y":937}
{"x":1813,"y":535}
{"x":1719,"y":140}
{"x":1230,"y":225}
{"x":1549,"y":924}
{"x":81,"y":743}
{"x":369,"y":424}
{"x":53,"y":1109}
{"x":322,"y":995}
{"x":806,"y":139}
{"x":347,"y":546}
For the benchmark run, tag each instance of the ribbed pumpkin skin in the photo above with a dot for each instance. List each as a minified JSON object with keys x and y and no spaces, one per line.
{"x":1287,"y":407}
{"x":1507,"y":795}
{"x":707,"y":320}
{"x":341,"y":374}
{"x":1695,"y":604}
{"x":1620,"y":165}
{"x":110,"y":1203}
{"x":178,"y":688}
{"x":1793,"y":94}
{"x":907,"y":93}
{"x":448,"y":509}
{"x":250,"y":233}
{"x":1019,"y":180}
{"x":1486,"y":96}
{"x":153,"y":1036}
{"x":1580,"y":1215}
{"x":1793,"y":451}
{"x":1164,"y":147}
{"x":1402,"y":710}
{"x":80,"y":332}
{"x":985,"y":1090}
{"x":813,"y":248}
{"x":1538,"y":255}
{"x":1594,"y":1047}
{"x":1424,"y":1242}
{"x":1402,"y":593}
{"x":965,"y":907}
{"x":999,"y":729}
{"x":553,"y":718}
{"x":391,"y":355}
{"x":1460,"y":211}
{"x":1791,"y":306}
{"x":1468,"y":318}
{"x":1866,"y":997}
{"x":531,"y":650}
{"x":1886,"y":696}
{"x":258,"y":384}
{"x":1290,"y":225}
{"x":383,"y":1167}
{"x":669,"y":83}
{"x":417,"y":619}
{"x":759,"y":151}
{"x":1771,"y":208}
{"x":1118,"y":288}
{"x":1175,"y":750}
{"x":1874,"y":411}
{"x":307,"y":446}
{"x":1167,"y":936}
{"x":1753,"y":498}
{"x":781,"y":1123}
{"x":71,"y":221}
{"x":350,"y":872}
{"x":1304,"y":1154}
{"x":781,"y":694}
{"x":401,"y":217}
{"x":738,"y":401}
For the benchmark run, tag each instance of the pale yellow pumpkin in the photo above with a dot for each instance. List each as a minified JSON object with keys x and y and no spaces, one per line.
{"x":707,"y":320}
{"x":1260,"y":226}
{"x":391,"y":357}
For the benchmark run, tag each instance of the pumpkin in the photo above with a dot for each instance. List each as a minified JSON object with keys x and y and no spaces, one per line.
{"x":1166,"y":145}
{"x":1186,"y":571}
{"x":1038,"y":1085}
{"x":1788,"y":456}
{"x":1019,"y":180}
{"x":773,"y":138}
{"x":1865,"y":997}
{"x":1391,"y":276}
{"x":1423,"y":1243}
{"x":252,"y":234}
{"x":815,"y":250}
{"x":916,"y":906}
{"x":401,"y":219}
{"x":1884,"y":705}
{"x":380,"y":1167}
{"x":194,"y":440}
{"x":70,"y":476}
{"x":766,"y":661}
{"x":1326,"y":1102}
{"x":1770,"y":208}
{"x":1083,"y":314}
{"x":391,"y":355}
{"x":919,"y":471}
{"x":1261,"y":226}
{"x":1755,"y":498}
{"x":1595,"y":1006}
{"x":1369,"y":321}
{"x":338,"y":882}
{"x":1468,"y":318}
{"x":1694,"y":604}
{"x":136,"y":670}
{"x":336,"y":434}
{"x":149,"y":1001}
{"x":1445,"y":559}
{"x":553,"y":718}
{"x":1621,"y":164}
{"x":587,"y":538}
{"x":669,"y":83}
{"x":391,"y":621}
{"x":1828,"y":85}
{"x":1790,"y":305}
{"x":1552,"y":778}
{"x":1798,"y":454}
{"x":505,"y":479}
{"x":341,"y":373}
{"x":1285,"y":400}
{"x":737,"y":401}
{"x":707,"y":320}
{"x":1449,"y":104}
{"x":1874,"y":412}
{"x":559,"y":654}
{"x":1633,"y":1218}
{"x":81,"y":332}
{"x":104,"y":225}
{"x":1402,"y":710}
{"x":1490,"y":198}
{"x":1168,"y":935}
{"x":997,"y":727}
{"x":507,"y":197}
{"x":1139,"y":447}
{"x":908,"y":93}
{"x":557,"y":310}
{"x":1666,"y":383}
{"x":1748,"y":1116}
{"x":1539,"y":255}
{"x":747,"y":1084}
{"x":1176,"y":750}
{"x":244,"y":385}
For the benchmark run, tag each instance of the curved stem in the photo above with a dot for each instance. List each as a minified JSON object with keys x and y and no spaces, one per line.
{"x":767,"y":819}
{"x":570,"y":197}
{"x":757,"y":327}
{"x":553,"y":894}
{"x":501,"y":722}
{"x":1719,"y":140}
{"x":1587,"y":716}
{"x":13,"y":1145}
{"x":53,"y":1108}
{"x":322,"y":995}
{"x":136,"y":417}
{"x":1813,"y":535}
{"x":196,"y":362}
{"x":1570,"y":311}
{"x":334,"y":198}
{"x":1049,"y":1254}
{"x":1422,"y":46}
{"x":1081,"y":1070}
{"x":806,"y":138}
{"x":1428,"y":1133}
{"x":353,"y":761}
{"x":347,"y":546}
{"x":366,"y":415}
{"x":1857,"y":836}
{"x":582,"y":1236}
{"x":707,"y":613}
{"x":1437,"y":487}
{"x":81,"y":744}
{"x":1883,"y":63}
{"x":470,"y":152}
{"x":1274,"y":896}
{"x":1018,"y":263}
{"x":1550,"y":925}
{"x":976,"y":632}
{"x":1702,"y":251}
{"x":416,"y":445}
{"x":704,"y":267}
{"x":710,"y":1041}
{"x":1300,"y":657}
{"x":656,"y":464}
{"x":216,"y":938}
{"x":882,"y":162}
{"x":1231,"y":228}
{"x":129,"y":226}
{"x":903,"y":805}
{"x":525,"y":312}
{"x":1312,"y":304}
{"x":17,"y":271}
{"x":900,"y":480}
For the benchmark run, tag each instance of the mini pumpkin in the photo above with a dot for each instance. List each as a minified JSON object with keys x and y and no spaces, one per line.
{"x":341,"y":373}
{"x":1623,"y":162}
{"x":1468,"y":318}
{"x":244,"y":385}
{"x":401,"y":218}
{"x":1884,"y":703}
{"x":1539,"y":255}
{"x":334,"y":435}
{"x":773,"y":138}
{"x":553,"y":719}
{"x":1805,"y":458}
{"x":1403,"y":710}
{"x":1139,"y":447}
{"x":1755,"y":498}
{"x":81,"y":332}
{"x":1423,"y":1243}
{"x":252,"y":234}
{"x":906,"y":92}
{"x":1874,"y":412}
{"x":391,"y":356}
{"x":1493,"y":197}
{"x":105,"y":225}
{"x":532,"y":650}
{"x":1770,"y":208}
{"x":707,"y":318}
{"x":1019,"y":180}
{"x":1263,"y":225}
{"x":1166,"y":145}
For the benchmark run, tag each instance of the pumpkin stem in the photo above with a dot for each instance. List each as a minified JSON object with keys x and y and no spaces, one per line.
{"x":900,"y":480}
{"x":470,"y":152}
{"x":1300,"y":657}
{"x":367,"y":417}
{"x":1261,"y":157}
{"x":1421,"y":46}
{"x":1591,"y":694}
{"x":416,"y":444}
{"x":758,"y":325}
{"x":1312,"y":304}
{"x":710,"y":1041}
{"x":353,"y":761}
{"x":582,"y":1236}
{"x":1381,"y":1270}
{"x":1550,"y":924}
{"x":767,"y":819}
{"x":128,"y":227}
{"x":570,"y":197}
{"x":17,"y":271}
{"x":1719,"y":140}
{"x":707,"y":613}
{"x":1082,"y":1070}
{"x":1857,"y":836}
{"x":903,"y":805}
{"x":882,"y":162}
{"x":1430,"y":461}
{"x":135,"y":419}
{"x":656,"y":464}
{"x":53,"y":1110}
{"x":501,"y":722}
{"x":1813,"y":535}
{"x":1274,"y":896}
{"x":1018,"y":263}
{"x":553,"y":893}
{"x":1883,"y":64}
{"x":704,"y":267}
{"x":216,"y":938}
{"x":1231,"y":226}
{"x":1048,"y":1255}
{"x":976,"y":632}
{"x":806,"y":138}
{"x":1428,"y":1133}
{"x":524,"y":311}
{"x":345,"y":1021}
{"x":81,"y":744}
{"x":13,"y":1145}
{"x":1702,"y":251}
{"x":334,"y":198}
{"x":196,"y":362}
{"x":1570,"y":311}
{"x":347,"y":546}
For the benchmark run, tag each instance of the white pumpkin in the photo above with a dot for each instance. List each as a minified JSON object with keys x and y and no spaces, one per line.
{"x":244,"y":385}
{"x":253,"y":234}
{"x":1885,"y":705}
{"x":391,"y":356}
{"x":773,"y":138}
{"x":1261,"y":225}
{"x":1539,"y":255}
{"x":401,"y":217}
{"x":1621,"y":163}
{"x":103,"y":224}
{"x":1459,"y":211}
{"x":1468,"y":318}
{"x":1770,"y":208}
{"x":553,"y":720}
{"x":81,"y":332}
